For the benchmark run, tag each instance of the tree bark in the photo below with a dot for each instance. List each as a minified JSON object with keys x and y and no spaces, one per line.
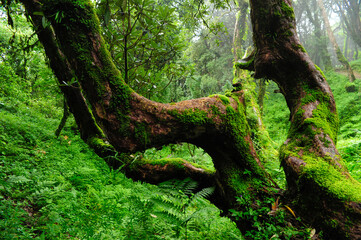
{"x":340,"y":57}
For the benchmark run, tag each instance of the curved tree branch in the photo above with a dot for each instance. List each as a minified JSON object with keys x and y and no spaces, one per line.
{"x":133,"y":123}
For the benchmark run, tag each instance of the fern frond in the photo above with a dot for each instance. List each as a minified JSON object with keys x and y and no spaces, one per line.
{"x":196,"y":213}
{"x":171,"y":216}
{"x":161,"y":200}
{"x":188,"y":186}
{"x":204,"y":193}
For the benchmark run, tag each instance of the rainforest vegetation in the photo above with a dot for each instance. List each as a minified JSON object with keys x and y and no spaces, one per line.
{"x":193,"y":119}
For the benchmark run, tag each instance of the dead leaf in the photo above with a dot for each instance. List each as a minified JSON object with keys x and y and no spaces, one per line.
{"x":291,"y":211}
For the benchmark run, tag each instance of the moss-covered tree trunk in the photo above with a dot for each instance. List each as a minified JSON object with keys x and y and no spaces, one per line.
{"x":322,"y":190}
{"x":340,"y":57}
{"x":130,"y":122}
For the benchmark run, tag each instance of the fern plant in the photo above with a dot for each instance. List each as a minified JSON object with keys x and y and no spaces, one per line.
{"x":177,"y":202}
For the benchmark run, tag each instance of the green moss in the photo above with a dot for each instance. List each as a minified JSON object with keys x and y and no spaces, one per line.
{"x":323,"y":119}
{"x":95,"y":141}
{"x":177,"y":163}
{"x":331,"y":179}
{"x":341,"y":57}
{"x":78,"y":31}
{"x":245,"y":65}
{"x":277,"y":13}
{"x":141,"y":132}
{"x":287,"y":33}
{"x":333,"y":223}
{"x":238,"y":183}
{"x":215,"y":110}
{"x":191,"y":116}
{"x":100,"y":146}
{"x":287,"y":10}
{"x":237,"y":127}
{"x":223,"y":98}
{"x":299,"y":47}
{"x":319,"y":69}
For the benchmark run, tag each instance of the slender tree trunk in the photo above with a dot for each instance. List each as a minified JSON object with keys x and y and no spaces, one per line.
{"x":347,"y":42}
{"x":356,"y":50}
{"x":62,"y":123}
{"x":240,"y":29}
{"x":341,"y":58}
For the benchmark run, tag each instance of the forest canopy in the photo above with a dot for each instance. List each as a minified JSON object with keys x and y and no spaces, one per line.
{"x":205,"y":100}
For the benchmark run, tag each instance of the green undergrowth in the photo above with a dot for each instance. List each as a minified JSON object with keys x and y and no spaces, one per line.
{"x":268,"y":224}
{"x":184,"y":151}
{"x":57,"y":188}
{"x":356,"y":65}
{"x":276,"y":114}
{"x":349,"y":109}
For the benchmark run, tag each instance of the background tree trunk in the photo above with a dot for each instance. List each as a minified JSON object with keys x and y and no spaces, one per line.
{"x":340,"y":57}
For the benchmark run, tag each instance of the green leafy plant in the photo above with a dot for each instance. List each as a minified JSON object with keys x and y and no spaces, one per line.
{"x":177,"y":202}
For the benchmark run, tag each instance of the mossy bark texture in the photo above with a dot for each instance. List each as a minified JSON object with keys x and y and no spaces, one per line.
{"x":322,"y":190}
